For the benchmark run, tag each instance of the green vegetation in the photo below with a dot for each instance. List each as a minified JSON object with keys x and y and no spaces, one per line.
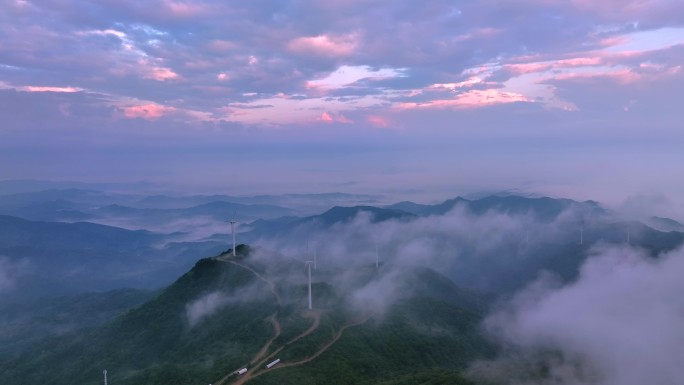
{"x":430,"y":331}
{"x":154,"y":344}
{"x":415,"y":334}
{"x":24,"y":323}
{"x":430,"y":377}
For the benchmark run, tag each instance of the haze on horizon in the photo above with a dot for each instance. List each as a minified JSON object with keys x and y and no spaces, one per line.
{"x":568,"y":98}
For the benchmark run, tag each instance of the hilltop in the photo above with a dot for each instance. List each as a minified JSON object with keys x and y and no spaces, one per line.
{"x":227,"y":313}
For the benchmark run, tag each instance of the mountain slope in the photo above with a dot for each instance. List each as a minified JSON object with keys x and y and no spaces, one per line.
{"x":24,"y":323}
{"x":155,"y":343}
{"x":416,"y":333}
{"x":222,"y":314}
{"x":335,"y":216}
{"x":54,"y":258}
{"x":542,"y":208}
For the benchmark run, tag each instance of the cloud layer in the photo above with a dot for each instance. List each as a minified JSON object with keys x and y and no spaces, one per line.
{"x":620,"y":323}
{"x":380,"y":80}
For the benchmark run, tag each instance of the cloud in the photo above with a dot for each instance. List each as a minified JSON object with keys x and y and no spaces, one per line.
{"x":10,"y":272}
{"x":620,"y":323}
{"x":205,"y":306}
{"x":378,"y":121}
{"x":474,"y":250}
{"x":469,"y":99}
{"x":127,"y":41}
{"x":558,"y":72}
{"x":185,"y":9}
{"x":210,"y":303}
{"x":51,"y":89}
{"x":147,"y":111}
{"x":158,"y":73}
{"x":331,"y":117}
{"x":335,"y":46}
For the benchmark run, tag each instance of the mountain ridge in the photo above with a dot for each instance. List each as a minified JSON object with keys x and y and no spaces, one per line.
{"x":133,"y":346}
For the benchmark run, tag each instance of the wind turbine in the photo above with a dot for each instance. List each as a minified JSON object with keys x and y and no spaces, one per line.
{"x":232,"y":229}
{"x":308,"y":253}
{"x":308,"y":264}
{"x":105,"y":376}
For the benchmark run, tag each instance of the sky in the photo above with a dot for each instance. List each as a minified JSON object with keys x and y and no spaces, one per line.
{"x":429,"y":99}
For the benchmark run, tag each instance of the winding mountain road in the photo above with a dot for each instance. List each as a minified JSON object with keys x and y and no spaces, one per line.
{"x":258,"y":361}
{"x":320,"y":351}
{"x":273,"y":319}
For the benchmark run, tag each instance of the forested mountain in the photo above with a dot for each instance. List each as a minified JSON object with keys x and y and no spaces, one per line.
{"x":228,"y":313}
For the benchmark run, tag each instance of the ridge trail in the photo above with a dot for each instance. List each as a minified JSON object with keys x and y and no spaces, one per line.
{"x":273,"y":319}
{"x":320,"y":351}
{"x":259,"y":360}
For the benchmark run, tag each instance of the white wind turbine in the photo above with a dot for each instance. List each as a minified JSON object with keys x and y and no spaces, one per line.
{"x":308,"y":264}
{"x":233,"y":222}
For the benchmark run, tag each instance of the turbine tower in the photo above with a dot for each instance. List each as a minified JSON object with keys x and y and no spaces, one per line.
{"x":308,"y":253}
{"x":308,"y":264}
{"x":105,"y":376}
{"x":582,"y":235}
{"x":232,"y":229}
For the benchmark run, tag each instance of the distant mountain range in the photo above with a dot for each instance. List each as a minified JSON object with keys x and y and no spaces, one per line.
{"x":34,"y":208}
{"x":55,"y":258}
{"x":415,"y":318}
{"x":75,"y":257}
{"x":551,"y":242}
{"x":542,"y":208}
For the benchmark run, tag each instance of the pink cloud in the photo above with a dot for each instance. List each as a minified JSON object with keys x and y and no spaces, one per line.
{"x":325,"y":117}
{"x":613,"y":41}
{"x":621,"y":76}
{"x":51,"y":89}
{"x":470,"y":99}
{"x":331,"y":117}
{"x":339,"y":46}
{"x":378,"y":121}
{"x":148,"y":111}
{"x":315,"y":89}
{"x":542,"y":66}
{"x":160,"y":73}
{"x":468,"y":83}
{"x":185,"y":9}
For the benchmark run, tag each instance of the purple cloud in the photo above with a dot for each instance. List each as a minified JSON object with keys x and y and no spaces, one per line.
{"x":309,"y":72}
